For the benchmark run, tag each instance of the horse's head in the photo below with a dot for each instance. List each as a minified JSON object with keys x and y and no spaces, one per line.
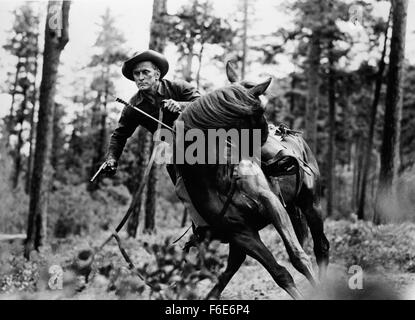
{"x":254,"y":91}
{"x":233,"y":107}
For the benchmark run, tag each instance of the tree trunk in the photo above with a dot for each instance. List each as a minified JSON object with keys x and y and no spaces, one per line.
{"x":353,"y":166}
{"x":357,"y":157}
{"x":102,"y":135}
{"x":292,"y":100}
{"x":57,"y":138}
{"x":144,"y":140}
{"x":150,"y":212}
{"x":55,"y":41}
{"x":188,"y":67}
{"x":369,"y":144}
{"x":199,"y":69}
{"x":98,"y":137}
{"x":10,"y":123}
{"x":349,"y":133}
{"x":32,"y":135}
{"x":332,"y":131}
{"x":18,"y":155}
{"x":244,"y":40}
{"x":313,"y":91}
{"x":390,"y":159}
{"x":359,"y":153}
{"x":157,"y":43}
{"x":157,"y":32}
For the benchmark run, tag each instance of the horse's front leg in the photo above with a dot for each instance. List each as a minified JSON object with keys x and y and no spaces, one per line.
{"x":252,"y":244}
{"x":254,"y":182}
{"x":235,"y":259}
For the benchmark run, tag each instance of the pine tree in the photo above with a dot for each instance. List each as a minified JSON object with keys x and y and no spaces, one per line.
{"x":367,"y":154}
{"x":390,"y":155}
{"x":55,"y":41}
{"x":193,"y":28}
{"x":110,"y":53}
{"x":23,"y":44}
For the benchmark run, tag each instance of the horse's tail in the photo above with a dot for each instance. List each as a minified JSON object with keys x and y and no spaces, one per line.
{"x":311,"y":161}
{"x":309,"y":158}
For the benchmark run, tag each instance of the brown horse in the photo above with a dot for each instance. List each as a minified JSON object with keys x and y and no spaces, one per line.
{"x":257,"y":199}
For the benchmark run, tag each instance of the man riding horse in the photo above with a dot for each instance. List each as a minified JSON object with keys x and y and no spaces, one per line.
{"x":147,"y":69}
{"x":259,"y":199}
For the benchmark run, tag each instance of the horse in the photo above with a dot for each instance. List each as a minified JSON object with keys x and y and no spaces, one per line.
{"x":255,"y":201}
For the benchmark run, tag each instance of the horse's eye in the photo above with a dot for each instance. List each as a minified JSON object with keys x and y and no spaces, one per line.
{"x":247,"y":84}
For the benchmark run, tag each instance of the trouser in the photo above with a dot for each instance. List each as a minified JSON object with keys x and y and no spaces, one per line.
{"x":183,"y":195}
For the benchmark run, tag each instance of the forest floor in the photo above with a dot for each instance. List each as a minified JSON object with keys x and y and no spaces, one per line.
{"x":254,"y":283}
{"x":386,"y":255}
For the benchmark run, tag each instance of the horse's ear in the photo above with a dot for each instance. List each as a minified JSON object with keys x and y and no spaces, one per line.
{"x":260,"y":88}
{"x":231,"y":72}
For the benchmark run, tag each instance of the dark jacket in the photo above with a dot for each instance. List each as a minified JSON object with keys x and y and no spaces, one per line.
{"x":130,"y":119}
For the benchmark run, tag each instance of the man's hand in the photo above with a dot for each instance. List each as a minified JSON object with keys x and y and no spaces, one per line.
{"x":172,"y":105}
{"x":110,"y":166}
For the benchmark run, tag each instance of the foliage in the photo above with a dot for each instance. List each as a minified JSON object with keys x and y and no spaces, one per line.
{"x":73,"y":211}
{"x":16,"y":273}
{"x":180,"y":273}
{"x":373,"y":247}
{"x":23,"y":45}
{"x":354,"y":89}
{"x":194,"y":27}
{"x":170,"y":272}
{"x":174,"y":274}
{"x":13,"y":203}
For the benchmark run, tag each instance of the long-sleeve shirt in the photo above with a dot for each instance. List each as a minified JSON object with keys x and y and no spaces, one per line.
{"x":130,"y":119}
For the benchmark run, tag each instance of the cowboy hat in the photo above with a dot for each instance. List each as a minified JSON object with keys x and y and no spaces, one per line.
{"x":149,"y":55}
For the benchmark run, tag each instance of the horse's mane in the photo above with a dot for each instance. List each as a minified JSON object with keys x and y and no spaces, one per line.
{"x":223,"y":108}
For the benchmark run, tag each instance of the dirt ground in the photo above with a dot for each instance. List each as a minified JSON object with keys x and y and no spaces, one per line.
{"x":252,"y":282}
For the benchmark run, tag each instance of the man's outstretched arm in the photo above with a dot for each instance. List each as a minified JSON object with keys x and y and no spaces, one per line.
{"x":126,"y":126}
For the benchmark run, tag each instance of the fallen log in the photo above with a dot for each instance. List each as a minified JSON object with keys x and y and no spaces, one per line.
{"x":9,"y":237}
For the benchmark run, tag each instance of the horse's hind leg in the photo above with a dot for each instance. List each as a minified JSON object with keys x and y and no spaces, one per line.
{"x":315,"y":222}
{"x":235,"y":259}
{"x":255,"y":248}
{"x":299,"y":223}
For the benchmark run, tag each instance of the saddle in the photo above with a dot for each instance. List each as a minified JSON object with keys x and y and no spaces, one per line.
{"x":280,"y":155}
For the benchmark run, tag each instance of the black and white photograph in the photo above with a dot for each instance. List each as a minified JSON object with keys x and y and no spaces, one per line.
{"x":220,"y":151}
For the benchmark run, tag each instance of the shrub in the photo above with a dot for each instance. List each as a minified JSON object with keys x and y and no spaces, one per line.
{"x":14,"y":204}
{"x":72,"y":210}
{"x":372,"y":247}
